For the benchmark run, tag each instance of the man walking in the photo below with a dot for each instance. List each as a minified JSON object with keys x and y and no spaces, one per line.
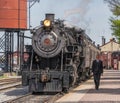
{"x":97,"y":69}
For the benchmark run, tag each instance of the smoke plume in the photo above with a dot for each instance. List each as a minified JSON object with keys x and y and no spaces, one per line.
{"x":78,"y":14}
{"x":82,"y":9}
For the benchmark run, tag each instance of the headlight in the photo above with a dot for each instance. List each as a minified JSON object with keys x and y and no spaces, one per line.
{"x":47,"y":23}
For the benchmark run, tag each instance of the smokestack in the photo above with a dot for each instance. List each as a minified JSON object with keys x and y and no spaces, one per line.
{"x":50,"y":17}
{"x":103,"y":40}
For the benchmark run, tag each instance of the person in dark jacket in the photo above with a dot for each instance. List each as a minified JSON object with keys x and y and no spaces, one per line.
{"x":97,"y":69}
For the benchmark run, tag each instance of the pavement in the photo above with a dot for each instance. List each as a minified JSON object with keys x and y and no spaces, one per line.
{"x":109,"y":90}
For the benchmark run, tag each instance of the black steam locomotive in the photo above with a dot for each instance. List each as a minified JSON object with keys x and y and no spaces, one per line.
{"x":59,"y":57}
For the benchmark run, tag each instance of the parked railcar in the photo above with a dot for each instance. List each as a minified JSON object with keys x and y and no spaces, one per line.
{"x":59,"y":57}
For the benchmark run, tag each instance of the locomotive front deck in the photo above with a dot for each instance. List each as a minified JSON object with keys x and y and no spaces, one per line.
{"x":54,"y":81}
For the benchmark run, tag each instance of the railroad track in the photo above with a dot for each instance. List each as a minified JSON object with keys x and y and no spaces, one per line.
{"x":9,"y":79}
{"x":6,"y":83}
{"x":9,"y":83}
{"x":39,"y":98}
{"x":36,"y":98}
{"x":8,"y":86}
{"x":17,"y":100}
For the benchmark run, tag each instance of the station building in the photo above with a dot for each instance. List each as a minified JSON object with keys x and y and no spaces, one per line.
{"x":110,"y":54}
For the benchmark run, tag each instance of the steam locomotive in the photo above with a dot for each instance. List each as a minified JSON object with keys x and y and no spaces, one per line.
{"x":60,"y":57}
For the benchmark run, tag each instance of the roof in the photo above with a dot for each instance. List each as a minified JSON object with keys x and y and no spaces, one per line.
{"x":111,"y":40}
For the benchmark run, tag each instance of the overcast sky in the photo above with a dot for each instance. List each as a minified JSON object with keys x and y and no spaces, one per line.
{"x":91,"y":15}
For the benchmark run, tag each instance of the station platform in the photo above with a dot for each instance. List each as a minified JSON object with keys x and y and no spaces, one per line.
{"x":109,"y":90}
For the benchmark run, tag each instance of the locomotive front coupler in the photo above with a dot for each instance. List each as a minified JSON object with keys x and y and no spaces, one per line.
{"x":45,"y":75}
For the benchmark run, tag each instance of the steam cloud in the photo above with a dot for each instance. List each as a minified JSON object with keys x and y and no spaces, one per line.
{"x":80,"y":11}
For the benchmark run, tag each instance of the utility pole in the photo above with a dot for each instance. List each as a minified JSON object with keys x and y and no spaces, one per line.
{"x":31,"y":3}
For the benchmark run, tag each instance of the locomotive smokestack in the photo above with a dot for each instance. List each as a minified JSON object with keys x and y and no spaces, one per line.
{"x":50,"y":17}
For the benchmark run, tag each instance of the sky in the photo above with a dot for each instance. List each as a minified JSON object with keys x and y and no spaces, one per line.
{"x":90,"y":15}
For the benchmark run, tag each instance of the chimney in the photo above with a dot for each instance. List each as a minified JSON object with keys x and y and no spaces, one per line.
{"x":103,"y":40}
{"x":98,"y":46}
{"x":112,"y":39}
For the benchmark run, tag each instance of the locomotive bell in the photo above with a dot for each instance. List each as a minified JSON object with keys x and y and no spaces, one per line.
{"x":50,"y":17}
